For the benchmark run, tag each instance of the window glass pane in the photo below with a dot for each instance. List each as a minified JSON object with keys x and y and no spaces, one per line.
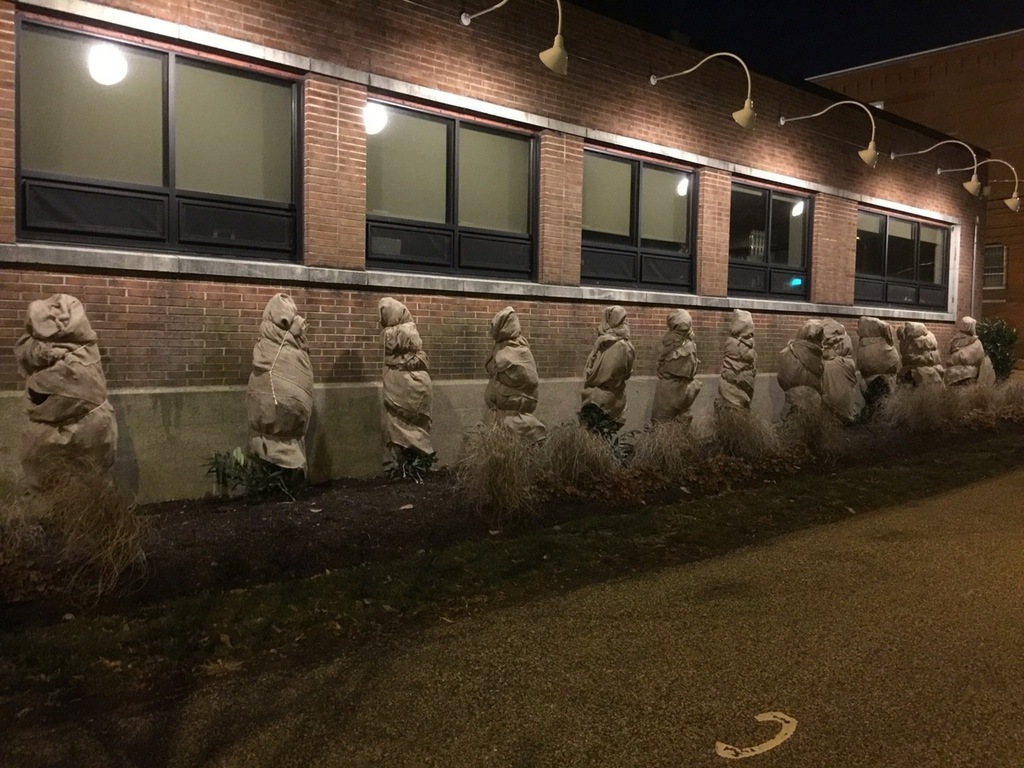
{"x":789,"y":225}
{"x":870,"y":246}
{"x":901,"y":250}
{"x":747,"y":224}
{"x":665,"y":205}
{"x":607,"y":195}
{"x":70,"y":123}
{"x":407,"y":168}
{"x":995,"y":266}
{"x":232,"y":134}
{"x":932,"y":259}
{"x":494,"y":180}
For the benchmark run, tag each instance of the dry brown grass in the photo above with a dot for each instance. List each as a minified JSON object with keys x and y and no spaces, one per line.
{"x":814,"y":433}
{"x":574,"y":460}
{"x":1008,"y":397}
{"x":745,"y":435}
{"x":20,"y":535}
{"x":668,"y":451}
{"x":918,"y":410}
{"x":498,"y":474}
{"x":93,"y":527}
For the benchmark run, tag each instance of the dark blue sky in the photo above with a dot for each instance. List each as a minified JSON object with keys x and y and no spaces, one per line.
{"x":796,"y":39}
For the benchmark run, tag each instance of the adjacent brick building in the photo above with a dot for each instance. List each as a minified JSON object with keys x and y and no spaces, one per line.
{"x":235,"y":160}
{"x":973,"y":91}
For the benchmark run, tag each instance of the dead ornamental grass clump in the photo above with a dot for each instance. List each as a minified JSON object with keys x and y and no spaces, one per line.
{"x":667,"y":450}
{"x":813,"y":432}
{"x":577,"y":461}
{"x":915,"y":410}
{"x":497,"y":475}
{"x":740,"y":433}
{"x":92,"y":527}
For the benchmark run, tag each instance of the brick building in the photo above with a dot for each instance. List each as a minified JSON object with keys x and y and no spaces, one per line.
{"x":235,"y":160}
{"x":975,"y":92}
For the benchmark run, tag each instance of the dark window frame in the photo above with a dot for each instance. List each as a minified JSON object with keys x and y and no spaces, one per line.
{"x":650,"y":264}
{"x":987,"y":273}
{"x":777,"y":280}
{"x":451,"y":248}
{"x":247,"y":221}
{"x":883,"y":290}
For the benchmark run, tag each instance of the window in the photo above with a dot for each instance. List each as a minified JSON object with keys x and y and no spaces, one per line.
{"x":900,"y":261}
{"x":995,"y":267}
{"x":768,"y":236}
{"x":446,"y":195}
{"x":637,"y":223}
{"x":125,"y":145}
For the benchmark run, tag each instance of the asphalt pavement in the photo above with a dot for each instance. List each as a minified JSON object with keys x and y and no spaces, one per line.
{"x":891,"y":639}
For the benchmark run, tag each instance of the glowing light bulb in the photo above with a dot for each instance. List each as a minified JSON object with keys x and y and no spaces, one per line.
{"x":683,"y":186}
{"x":375,"y":117}
{"x":798,"y":209}
{"x":107,"y":65}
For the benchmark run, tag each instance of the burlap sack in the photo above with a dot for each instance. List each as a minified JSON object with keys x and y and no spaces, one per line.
{"x":919,"y":355}
{"x":279,"y":398}
{"x":967,"y":356}
{"x":842,"y":388}
{"x":407,"y":389}
{"x":739,"y":364}
{"x":609,"y":366}
{"x":70,"y":419}
{"x":876,"y":350}
{"x":511,"y":393}
{"x":677,"y":365}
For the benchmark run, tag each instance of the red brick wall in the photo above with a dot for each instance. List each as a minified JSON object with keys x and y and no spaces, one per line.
{"x":155,"y":332}
{"x":561,"y":208}
{"x":834,"y":246}
{"x":7,"y":154}
{"x":714,"y":202}
{"x":334,"y":174}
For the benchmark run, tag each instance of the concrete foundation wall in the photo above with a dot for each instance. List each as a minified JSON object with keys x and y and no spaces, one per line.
{"x":165,"y":436}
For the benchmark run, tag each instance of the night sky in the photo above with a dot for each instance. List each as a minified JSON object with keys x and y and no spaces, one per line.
{"x":797,"y":39}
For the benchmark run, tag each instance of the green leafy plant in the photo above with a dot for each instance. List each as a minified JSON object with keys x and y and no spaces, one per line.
{"x":237,"y":470}
{"x":1000,"y":340}
{"x":410,"y":463}
{"x":597,"y":421}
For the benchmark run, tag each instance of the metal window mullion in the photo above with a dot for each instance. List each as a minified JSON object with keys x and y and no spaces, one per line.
{"x":636,"y":177}
{"x":452,"y":182}
{"x":170,"y":169}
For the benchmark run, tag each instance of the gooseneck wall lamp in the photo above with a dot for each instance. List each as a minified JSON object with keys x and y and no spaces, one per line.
{"x":745,"y":116}
{"x":973,"y":186}
{"x":554,"y":58}
{"x":1012,"y":202}
{"x":869,"y":154}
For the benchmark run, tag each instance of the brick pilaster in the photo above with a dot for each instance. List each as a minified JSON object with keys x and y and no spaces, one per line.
{"x":833,"y":250}
{"x":334,"y":182}
{"x":713,"y":231}
{"x":561,"y":208}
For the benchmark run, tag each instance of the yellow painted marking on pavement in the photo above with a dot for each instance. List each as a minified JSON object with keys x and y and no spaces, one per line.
{"x":788,"y":723}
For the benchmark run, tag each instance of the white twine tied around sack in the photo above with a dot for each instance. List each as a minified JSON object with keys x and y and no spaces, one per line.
{"x":271,"y":371}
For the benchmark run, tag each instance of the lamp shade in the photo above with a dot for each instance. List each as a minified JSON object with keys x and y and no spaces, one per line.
{"x":1013,"y":203}
{"x":869,"y":155}
{"x":973,"y":186}
{"x":555,"y":58}
{"x":745,"y":117}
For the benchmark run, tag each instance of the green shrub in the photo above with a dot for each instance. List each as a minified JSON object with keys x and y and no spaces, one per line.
{"x":238,"y":471}
{"x":409,"y":463}
{"x":1000,"y":340}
